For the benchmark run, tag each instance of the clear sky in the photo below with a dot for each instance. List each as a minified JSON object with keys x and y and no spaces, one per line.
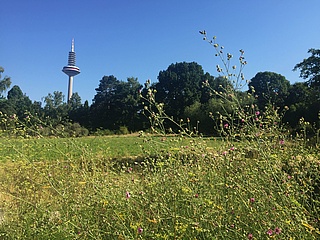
{"x":139,"y":38}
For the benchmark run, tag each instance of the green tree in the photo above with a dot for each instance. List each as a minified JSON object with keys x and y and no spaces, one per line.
{"x":181,"y":85}
{"x":310,"y":71}
{"x":78,"y":112}
{"x":15,"y":94}
{"x":269,"y":88}
{"x":299,"y":102}
{"x":19,"y":101}
{"x":116,"y":104}
{"x":75,"y":101}
{"x":55,"y":108}
{"x":103,"y":102}
{"x":4,"y":82}
{"x":303,"y":101}
{"x":310,"y":68}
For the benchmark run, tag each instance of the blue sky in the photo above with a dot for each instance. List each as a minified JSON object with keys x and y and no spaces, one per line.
{"x":139,"y":38}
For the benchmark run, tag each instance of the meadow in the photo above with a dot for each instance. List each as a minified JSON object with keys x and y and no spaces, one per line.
{"x":258,"y":180}
{"x":155,"y":187}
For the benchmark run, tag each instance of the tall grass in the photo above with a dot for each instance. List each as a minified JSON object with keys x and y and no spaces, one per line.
{"x":190,"y":192}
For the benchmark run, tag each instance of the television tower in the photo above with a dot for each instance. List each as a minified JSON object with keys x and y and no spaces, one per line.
{"x":71,"y":69}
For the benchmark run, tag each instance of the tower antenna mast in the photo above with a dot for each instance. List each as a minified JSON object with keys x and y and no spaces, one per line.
{"x":71,"y":69}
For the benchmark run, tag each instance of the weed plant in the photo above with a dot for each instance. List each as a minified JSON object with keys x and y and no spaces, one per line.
{"x":257,"y":183}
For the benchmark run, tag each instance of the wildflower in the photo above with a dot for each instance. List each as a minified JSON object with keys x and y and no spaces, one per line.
{"x":257,"y":113}
{"x":140,"y":230}
{"x":219,"y":69}
{"x":269,"y":232}
{"x":196,"y":195}
{"x":224,"y":153}
{"x":128,"y":195}
{"x":277,"y":230}
{"x":281,"y":142}
{"x":252,"y":200}
{"x":250,"y":236}
{"x":226,"y":125}
{"x":232,"y":148}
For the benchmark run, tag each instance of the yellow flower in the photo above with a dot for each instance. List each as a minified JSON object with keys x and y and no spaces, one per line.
{"x":152,"y":220}
{"x":308,"y":226}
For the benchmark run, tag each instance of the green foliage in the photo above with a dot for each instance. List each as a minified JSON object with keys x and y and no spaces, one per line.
{"x":75,"y":101}
{"x":4,"y":83}
{"x":17,"y":104}
{"x":55,"y":109}
{"x":79,"y":113}
{"x":180,"y":86}
{"x":269,"y":88}
{"x":123,"y":130}
{"x":303,"y":103}
{"x":116,"y":104}
{"x":32,"y":126}
{"x":310,"y":68}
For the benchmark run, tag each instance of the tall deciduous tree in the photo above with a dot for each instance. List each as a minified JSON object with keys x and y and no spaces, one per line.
{"x":310,"y":68}
{"x":180,"y":86}
{"x":4,"y":83}
{"x":78,"y":112}
{"x":19,"y":101}
{"x":116,"y":103}
{"x":75,"y":101}
{"x":270,"y":88}
{"x":300,"y":104}
{"x":55,"y":107}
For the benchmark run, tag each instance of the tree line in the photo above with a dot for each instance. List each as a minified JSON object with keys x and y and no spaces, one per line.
{"x":118,"y":105}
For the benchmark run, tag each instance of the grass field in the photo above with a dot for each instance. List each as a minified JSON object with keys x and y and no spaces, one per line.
{"x":53,"y":149}
{"x":131,"y":187}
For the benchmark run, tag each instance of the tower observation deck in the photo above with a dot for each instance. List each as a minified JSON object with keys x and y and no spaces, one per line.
{"x":71,"y":69}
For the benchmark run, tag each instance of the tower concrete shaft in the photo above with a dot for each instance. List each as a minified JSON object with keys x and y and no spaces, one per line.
{"x":71,"y":69}
{"x":70,"y":87}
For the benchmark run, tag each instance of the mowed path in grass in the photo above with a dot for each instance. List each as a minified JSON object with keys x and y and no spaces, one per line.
{"x":94,"y":147}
